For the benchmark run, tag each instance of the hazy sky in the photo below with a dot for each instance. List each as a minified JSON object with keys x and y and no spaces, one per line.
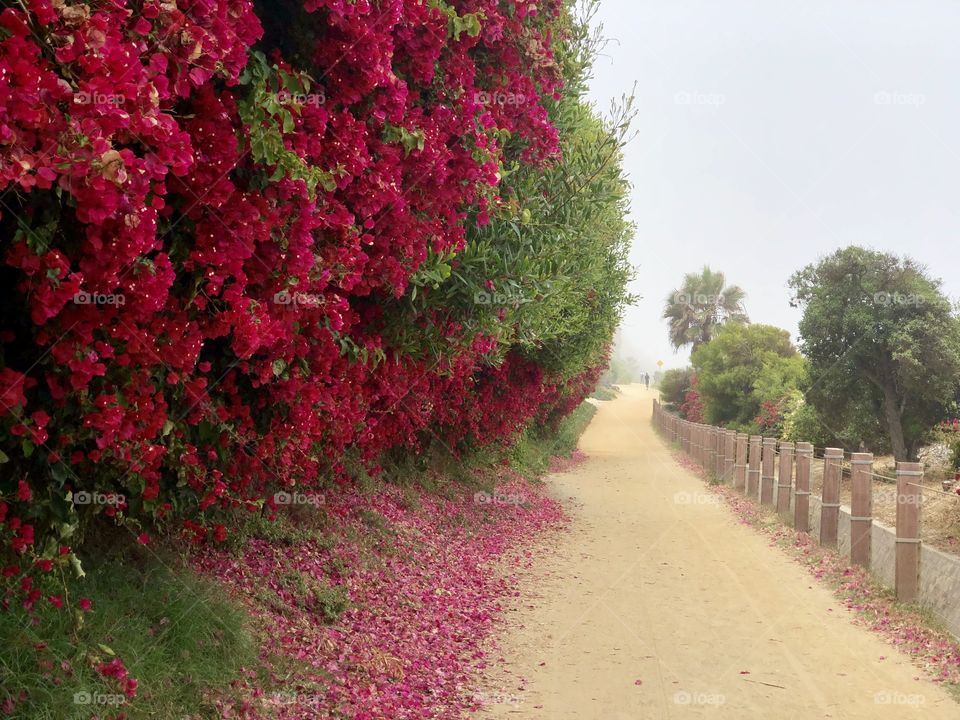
{"x":770,"y":133}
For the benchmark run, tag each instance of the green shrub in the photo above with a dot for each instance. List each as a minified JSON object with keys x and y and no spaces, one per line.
{"x":674,"y":385}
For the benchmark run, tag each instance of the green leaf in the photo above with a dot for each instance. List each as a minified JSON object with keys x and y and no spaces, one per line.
{"x":77,"y":567}
{"x":472,"y":24}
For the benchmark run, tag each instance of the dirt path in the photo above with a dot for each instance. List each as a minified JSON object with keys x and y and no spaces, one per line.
{"x":658,"y":583}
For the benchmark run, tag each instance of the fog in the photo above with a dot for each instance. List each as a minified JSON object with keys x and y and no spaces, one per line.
{"x":770,"y":133}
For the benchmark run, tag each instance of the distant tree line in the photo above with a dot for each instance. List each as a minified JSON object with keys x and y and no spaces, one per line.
{"x":876,"y":366}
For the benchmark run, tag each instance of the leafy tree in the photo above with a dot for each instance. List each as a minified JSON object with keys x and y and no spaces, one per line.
{"x":546,"y":277}
{"x":743,"y":367}
{"x":856,"y":426}
{"x":674,"y":385}
{"x":700,"y":305}
{"x":882,"y":339}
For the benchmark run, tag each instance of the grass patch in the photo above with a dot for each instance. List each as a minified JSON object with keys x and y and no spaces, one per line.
{"x":314,"y":595}
{"x":532,"y":452}
{"x":604,"y":393}
{"x":174,"y":631}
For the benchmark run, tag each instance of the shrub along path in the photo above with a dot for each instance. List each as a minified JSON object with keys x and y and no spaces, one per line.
{"x":659,"y":604}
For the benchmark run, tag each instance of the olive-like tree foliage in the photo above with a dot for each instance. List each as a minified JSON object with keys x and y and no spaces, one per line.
{"x":674,"y":386}
{"x":702,"y":304}
{"x":881,"y":337}
{"x":743,"y":367}
{"x":548,"y":278}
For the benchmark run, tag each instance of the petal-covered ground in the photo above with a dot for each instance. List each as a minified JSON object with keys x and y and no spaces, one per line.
{"x":385,"y":615}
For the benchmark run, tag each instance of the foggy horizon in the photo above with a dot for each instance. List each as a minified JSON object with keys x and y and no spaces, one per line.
{"x":768,"y":135}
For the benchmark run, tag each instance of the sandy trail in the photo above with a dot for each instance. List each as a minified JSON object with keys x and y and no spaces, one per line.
{"x":657,"y":583}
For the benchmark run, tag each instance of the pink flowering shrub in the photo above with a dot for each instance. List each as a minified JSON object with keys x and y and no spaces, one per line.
{"x":249,"y":247}
{"x":692,"y":407}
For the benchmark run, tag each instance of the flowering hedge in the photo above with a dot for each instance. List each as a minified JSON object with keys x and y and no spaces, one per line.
{"x":251,"y":246}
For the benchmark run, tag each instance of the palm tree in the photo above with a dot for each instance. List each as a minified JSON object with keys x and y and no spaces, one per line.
{"x":701,"y":304}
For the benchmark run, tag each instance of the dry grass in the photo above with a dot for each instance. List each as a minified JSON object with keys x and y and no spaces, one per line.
{"x":939,"y":513}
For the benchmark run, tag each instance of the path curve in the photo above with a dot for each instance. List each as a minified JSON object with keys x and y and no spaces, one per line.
{"x":656,"y":583}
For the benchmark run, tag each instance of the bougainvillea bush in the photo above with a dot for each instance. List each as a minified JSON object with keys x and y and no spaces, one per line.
{"x":260,"y":247}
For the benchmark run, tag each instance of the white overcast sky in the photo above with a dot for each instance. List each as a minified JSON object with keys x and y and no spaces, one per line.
{"x":770,"y":133}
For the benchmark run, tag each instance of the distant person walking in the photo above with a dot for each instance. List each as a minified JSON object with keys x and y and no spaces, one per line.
{"x":646,"y":380}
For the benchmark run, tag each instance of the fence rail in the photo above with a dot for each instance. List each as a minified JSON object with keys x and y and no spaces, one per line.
{"x":748,"y":463}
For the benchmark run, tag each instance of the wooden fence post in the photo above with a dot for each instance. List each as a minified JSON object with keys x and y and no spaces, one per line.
{"x":801,"y":494}
{"x":784,"y":482}
{"x":753,"y":468}
{"x":768,"y":462}
{"x":740,"y":476}
{"x":702,"y":441}
{"x":704,"y":447}
{"x":861,"y":508}
{"x":720,"y":438}
{"x":909,"y":479}
{"x":729,"y":456}
{"x":710,"y":467}
{"x":830,"y":498}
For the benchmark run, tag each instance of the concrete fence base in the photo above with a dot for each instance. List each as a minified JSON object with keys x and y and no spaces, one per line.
{"x":939,"y":589}
{"x":896,"y":557}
